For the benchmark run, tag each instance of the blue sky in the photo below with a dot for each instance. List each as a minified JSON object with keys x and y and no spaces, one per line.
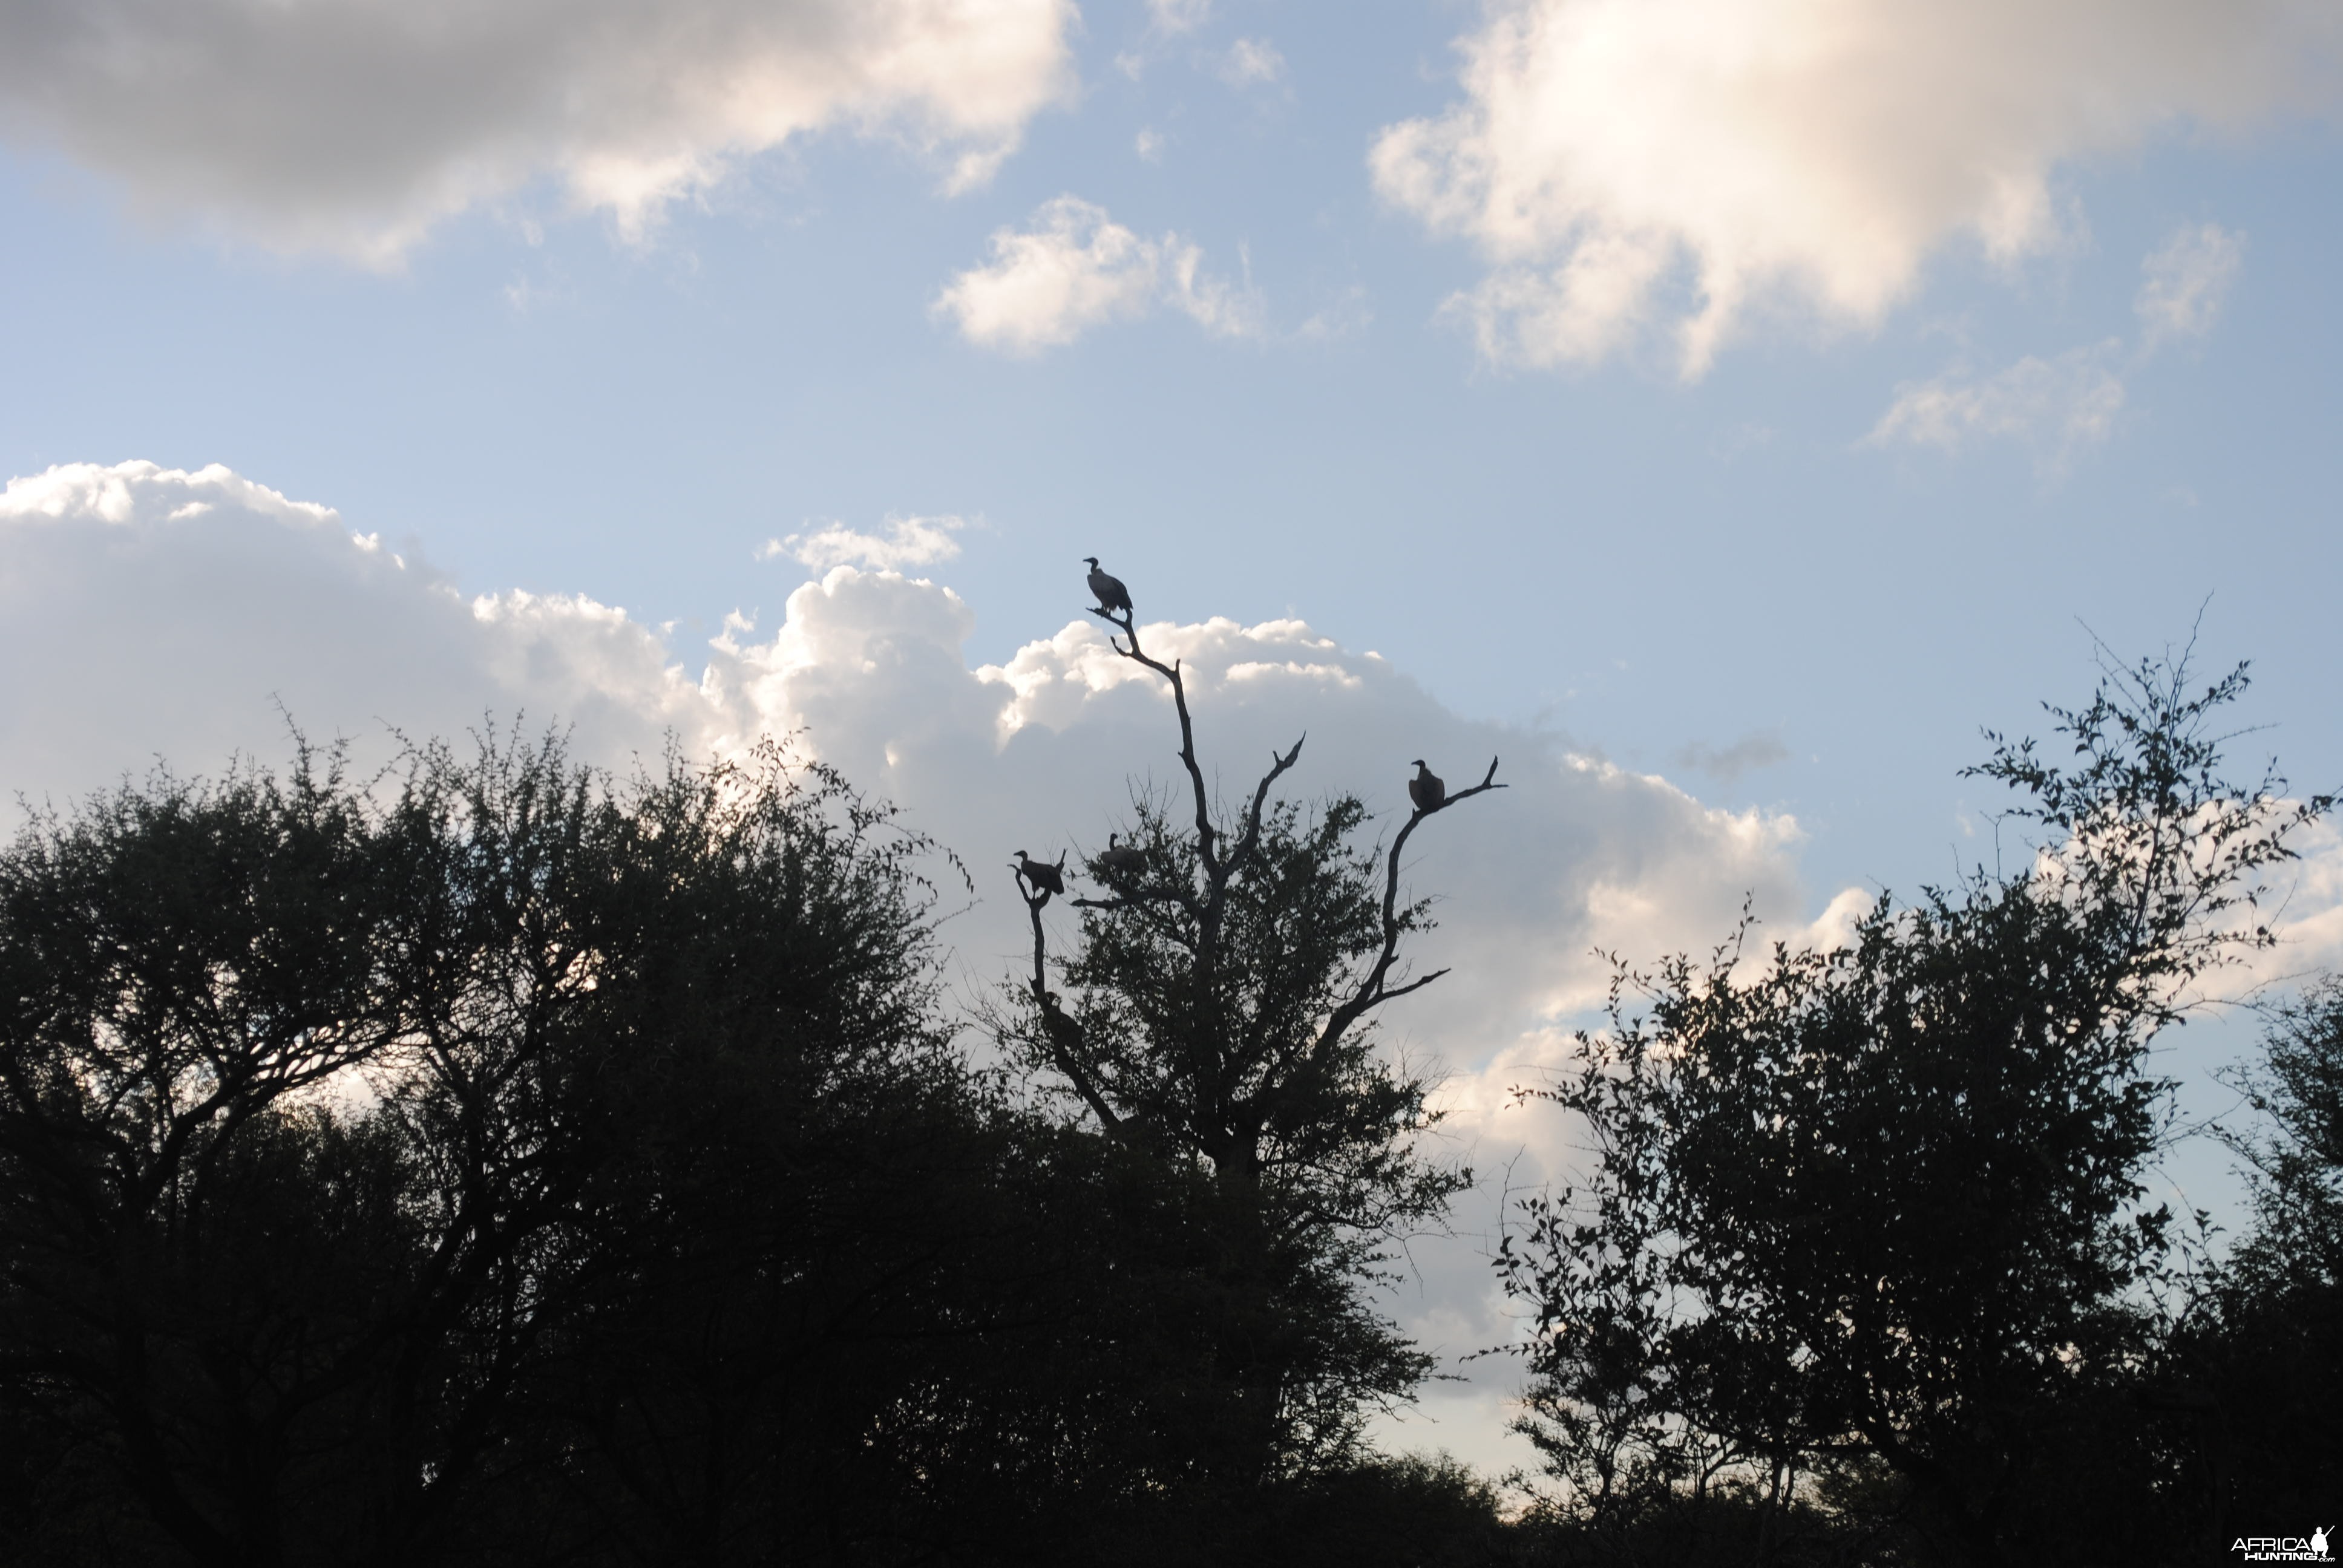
{"x":2024,"y":323}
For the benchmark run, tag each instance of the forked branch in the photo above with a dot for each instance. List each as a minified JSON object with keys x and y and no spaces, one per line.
{"x":1205,"y":835}
{"x":1251,"y":840}
{"x":1066,"y":1042}
{"x":1279,"y":765}
{"x":1374,"y":987}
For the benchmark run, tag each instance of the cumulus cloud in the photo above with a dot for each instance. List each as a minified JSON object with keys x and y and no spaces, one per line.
{"x":175,"y":611}
{"x":907,"y":542}
{"x":2185,"y":281}
{"x":2310,"y":927}
{"x":187,"y":605}
{"x":1626,"y":164}
{"x":1075,"y":268}
{"x":2056,"y":405}
{"x":355,"y":127}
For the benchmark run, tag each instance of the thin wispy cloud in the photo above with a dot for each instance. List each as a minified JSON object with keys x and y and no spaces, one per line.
{"x":1727,"y":764}
{"x":1251,"y":62}
{"x":1173,"y":18}
{"x":2058,"y":406}
{"x":2065,"y":405}
{"x":2186,"y":281}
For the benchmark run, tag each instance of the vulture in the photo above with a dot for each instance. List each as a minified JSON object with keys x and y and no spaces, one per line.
{"x":1040,"y":875}
{"x":1121,"y":860}
{"x":1107,"y":591}
{"x":1426,"y":790}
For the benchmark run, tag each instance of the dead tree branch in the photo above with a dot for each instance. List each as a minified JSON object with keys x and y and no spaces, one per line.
{"x":1207,"y":837}
{"x":1374,"y":987}
{"x":1066,"y":1040}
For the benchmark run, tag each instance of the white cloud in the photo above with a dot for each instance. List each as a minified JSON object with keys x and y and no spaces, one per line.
{"x":172,"y":612}
{"x":1221,"y":307}
{"x":2061,"y":406}
{"x":1149,"y":145}
{"x":2058,"y":406}
{"x":1076,"y":268}
{"x":1176,"y":16}
{"x":1629,"y":163}
{"x":2185,"y":281}
{"x":907,"y":542}
{"x":2310,"y":924}
{"x":354,"y":127}
{"x":1251,"y":62}
{"x":179,"y":609}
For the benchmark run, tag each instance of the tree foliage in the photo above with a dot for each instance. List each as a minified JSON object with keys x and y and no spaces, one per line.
{"x":496,"y":1162}
{"x":1224,"y":988}
{"x":1884,"y":1204}
{"x":494,"y":1155}
{"x":2255,"y":1373}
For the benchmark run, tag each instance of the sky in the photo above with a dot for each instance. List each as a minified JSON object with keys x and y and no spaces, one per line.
{"x":1720,"y":410}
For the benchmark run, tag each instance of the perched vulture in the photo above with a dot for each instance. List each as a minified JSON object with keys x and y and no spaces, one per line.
{"x":1121,"y":860}
{"x":1109,"y":591}
{"x":1426,"y":790}
{"x":1040,"y":875}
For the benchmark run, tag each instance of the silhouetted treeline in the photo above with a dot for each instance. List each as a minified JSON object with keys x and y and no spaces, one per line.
{"x":506,"y":1169}
{"x":494,"y":1164}
{"x":1866,"y":1267}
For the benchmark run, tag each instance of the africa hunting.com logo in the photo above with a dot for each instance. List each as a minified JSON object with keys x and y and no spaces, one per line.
{"x":2311,"y":1548}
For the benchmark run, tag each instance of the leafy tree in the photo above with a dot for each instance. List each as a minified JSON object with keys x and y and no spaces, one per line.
{"x":2295,"y":1156}
{"x":1223,"y":989}
{"x":1884,"y":1204}
{"x":2257,"y":1373}
{"x":360,"y":1149}
{"x":783,"y":1154}
{"x":496,"y":1163}
{"x":182,"y":971}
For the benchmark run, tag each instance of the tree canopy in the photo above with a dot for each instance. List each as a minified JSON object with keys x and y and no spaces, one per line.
{"x":499,"y":1161}
{"x":1226,"y":985}
{"x":1881,"y":1209}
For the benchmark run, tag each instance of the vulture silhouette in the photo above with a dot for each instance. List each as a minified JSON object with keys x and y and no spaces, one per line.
{"x":1041,"y":874}
{"x":1426,"y":790}
{"x":1121,"y":860}
{"x":1107,"y":591}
